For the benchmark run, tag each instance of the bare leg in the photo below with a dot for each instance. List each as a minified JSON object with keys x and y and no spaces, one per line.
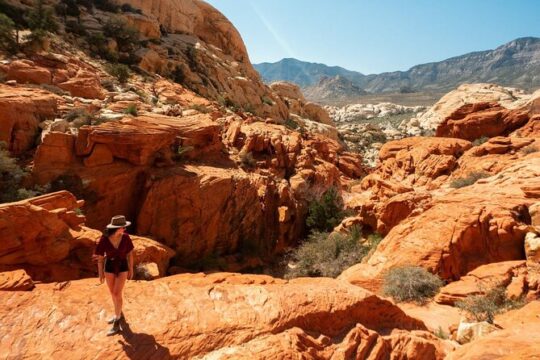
{"x":111,"y":283}
{"x":118,"y":292}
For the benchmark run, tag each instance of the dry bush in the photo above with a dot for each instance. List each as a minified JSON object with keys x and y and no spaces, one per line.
{"x":411,"y":283}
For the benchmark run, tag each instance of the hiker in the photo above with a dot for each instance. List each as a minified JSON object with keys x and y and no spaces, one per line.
{"x":115,"y":247}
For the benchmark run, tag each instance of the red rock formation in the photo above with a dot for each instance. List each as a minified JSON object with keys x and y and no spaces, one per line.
{"x":518,"y":340}
{"x":462,"y":230}
{"x":21,"y":111}
{"x":473,"y":121}
{"x":186,"y":316}
{"x":481,"y":280}
{"x":16,"y":280}
{"x":44,"y":236}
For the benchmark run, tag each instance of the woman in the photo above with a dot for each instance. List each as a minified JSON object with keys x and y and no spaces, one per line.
{"x":116,"y":246}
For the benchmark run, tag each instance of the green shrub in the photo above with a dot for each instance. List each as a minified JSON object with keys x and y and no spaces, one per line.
{"x":131,"y":110}
{"x":324,"y":254}
{"x":441,"y":334}
{"x":470,"y":179}
{"x":326,"y":213}
{"x":529,"y":149}
{"x":247,"y":160}
{"x":178,"y":75}
{"x":119,"y":71}
{"x":142,"y":273}
{"x":79,"y":115}
{"x":200,"y":108}
{"x":480,"y":140}
{"x":266,"y":100}
{"x":291,"y":124}
{"x":485,"y":307}
{"x":411,"y":283}
{"x":67,"y":8}
{"x":126,"y":36}
{"x":106,"y":5}
{"x":11,"y":179}
{"x":8,"y":39}
{"x":40,"y":20}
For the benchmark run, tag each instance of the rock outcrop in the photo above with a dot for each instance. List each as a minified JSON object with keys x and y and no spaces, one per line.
{"x":54,"y":245}
{"x":461,"y":230}
{"x":218,"y":315}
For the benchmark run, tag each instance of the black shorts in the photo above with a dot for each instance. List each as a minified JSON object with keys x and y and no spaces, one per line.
{"x":110,"y":265}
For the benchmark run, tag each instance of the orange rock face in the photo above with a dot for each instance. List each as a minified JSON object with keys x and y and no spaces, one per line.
{"x":45,"y":237}
{"x":21,"y":111}
{"x":461,"y":230}
{"x":517,"y":340}
{"x":473,"y":121}
{"x":188,"y":316}
{"x":16,"y":280}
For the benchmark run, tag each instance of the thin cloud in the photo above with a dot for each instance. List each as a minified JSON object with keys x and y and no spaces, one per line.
{"x":279,"y":39}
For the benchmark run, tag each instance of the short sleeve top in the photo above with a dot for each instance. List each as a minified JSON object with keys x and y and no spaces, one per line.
{"x":106,"y":248}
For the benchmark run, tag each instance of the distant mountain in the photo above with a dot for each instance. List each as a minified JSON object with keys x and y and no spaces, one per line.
{"x":302,"y":73}
{"x":516,"y":63}
{"x":333,"y":88}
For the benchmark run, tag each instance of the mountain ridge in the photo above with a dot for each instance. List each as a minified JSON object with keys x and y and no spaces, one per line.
{"x":510,"y":64}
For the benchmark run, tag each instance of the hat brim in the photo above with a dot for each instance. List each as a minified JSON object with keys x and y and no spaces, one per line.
{"x":111,"y":226}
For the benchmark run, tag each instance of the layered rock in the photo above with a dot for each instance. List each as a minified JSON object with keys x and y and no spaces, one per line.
{"x":219,"y":313}
{"x":517,"y":339}
{"x":462,"y":230}
{"x":473,"y":121}
{"x":54,"y":245}
{"x":21,"y":111}
{"x":466,"y":94}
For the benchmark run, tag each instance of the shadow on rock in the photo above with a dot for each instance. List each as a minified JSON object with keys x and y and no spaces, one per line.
{"x":141,"y":346}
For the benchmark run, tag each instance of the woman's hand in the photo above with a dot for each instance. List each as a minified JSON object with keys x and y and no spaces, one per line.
{"x":101,"y":277}
{"x":130,"y":274}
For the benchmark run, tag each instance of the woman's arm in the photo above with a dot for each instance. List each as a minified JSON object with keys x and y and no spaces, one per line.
{"x":100,"y":268}
{"x":130,"y":265}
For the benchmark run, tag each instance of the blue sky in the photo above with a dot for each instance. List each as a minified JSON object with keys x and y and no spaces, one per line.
{"x":377,"y":35}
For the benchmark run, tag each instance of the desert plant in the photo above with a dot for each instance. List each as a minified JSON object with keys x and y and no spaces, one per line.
{"x":468,"y":180}
{"x":480,"y":140}
{"x":266,"y":100}
{"x":79,"y":116}
{"x":246,"y":159}
{"x":324,"y":254}
{"x":441,"y":334}
{"x":8,"y":39}
{"x":131,"y":110}
{"x":106,"y":5}
{"x":119,"y":71}
{"x":142,"y":273}
{"x":67,"y":8}
{"x":177,"y":75}
{"x":200,"y":108}
{"x":126,"y":36}
{"x":411,"y":283}
{"x":40,"y":20}
{"x":529,"y":149}
{"x":325,"y":213}
{"x":291,"y":124}
{"x":484,"y":307}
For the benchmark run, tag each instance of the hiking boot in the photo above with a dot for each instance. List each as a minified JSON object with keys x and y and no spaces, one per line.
{"x":115,"y":328}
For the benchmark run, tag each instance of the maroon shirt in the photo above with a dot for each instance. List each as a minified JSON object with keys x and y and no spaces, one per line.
{"x":115,"y":255}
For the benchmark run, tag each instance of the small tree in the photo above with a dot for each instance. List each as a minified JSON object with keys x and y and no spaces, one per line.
{"x":485,"y":307}
{"x":119,"y":71}
{"x":41,"y":20}
{"x":326,"y":213}
{"x":8,"y":39}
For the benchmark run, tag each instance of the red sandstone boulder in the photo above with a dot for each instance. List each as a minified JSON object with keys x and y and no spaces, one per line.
{"x":21,"y":111}
{"x":44,"y":236}
{"x":26,"y":71}
{"x":218,"y":311}
{"x":16,"y":280}
{"x":85,"y":84}
{"x":473,"y":121}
